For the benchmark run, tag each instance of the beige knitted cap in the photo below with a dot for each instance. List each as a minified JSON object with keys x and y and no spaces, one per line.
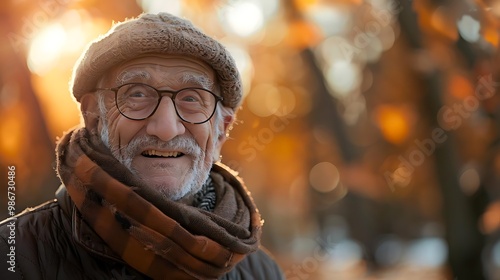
{"x":155,"y":34}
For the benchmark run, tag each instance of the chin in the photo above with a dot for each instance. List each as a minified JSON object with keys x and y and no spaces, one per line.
{"x":174,"y":191}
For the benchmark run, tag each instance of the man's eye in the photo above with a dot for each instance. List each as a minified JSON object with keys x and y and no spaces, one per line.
{"x":136,"y":94}
{"x":191,"y":98}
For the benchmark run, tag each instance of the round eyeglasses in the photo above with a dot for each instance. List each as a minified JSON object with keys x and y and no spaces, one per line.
{"x":138,"y":101}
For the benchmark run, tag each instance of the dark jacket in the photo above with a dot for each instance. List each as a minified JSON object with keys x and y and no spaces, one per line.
{"x":51,"y":241}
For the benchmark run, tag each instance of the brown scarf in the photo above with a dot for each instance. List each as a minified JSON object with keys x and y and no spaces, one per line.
{"x":160,"y":238}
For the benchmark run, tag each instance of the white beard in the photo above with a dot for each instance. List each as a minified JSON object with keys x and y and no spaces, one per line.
{"x":196,"y":175}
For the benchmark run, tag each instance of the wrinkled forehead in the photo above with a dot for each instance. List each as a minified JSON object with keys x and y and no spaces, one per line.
{"x":171,"y":71}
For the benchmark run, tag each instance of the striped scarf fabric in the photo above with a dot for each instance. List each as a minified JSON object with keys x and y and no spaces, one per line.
{"x":206,"y":198}
{"x":161,"y":238}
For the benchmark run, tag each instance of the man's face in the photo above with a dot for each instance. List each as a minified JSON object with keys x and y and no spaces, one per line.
{"x":169,"y":155}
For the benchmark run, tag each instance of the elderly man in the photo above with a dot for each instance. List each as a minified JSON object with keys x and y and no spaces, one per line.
{"x":143,"y":195}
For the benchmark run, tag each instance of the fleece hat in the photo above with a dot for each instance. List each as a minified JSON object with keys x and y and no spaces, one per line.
{"x":162,"y":33}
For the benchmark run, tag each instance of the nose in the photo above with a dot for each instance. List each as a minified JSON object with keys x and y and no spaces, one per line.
{"x":164,"y":123}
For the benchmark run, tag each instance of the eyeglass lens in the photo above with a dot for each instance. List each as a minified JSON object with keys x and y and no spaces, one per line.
{"x":139,"y":101}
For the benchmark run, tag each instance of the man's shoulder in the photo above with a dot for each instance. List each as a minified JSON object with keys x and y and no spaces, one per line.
{"x":258,"y":265}
{"x":33,"y":216}
{"x":42,"y":226}
{"x":30,"y":236}
{"x":37,"y":224}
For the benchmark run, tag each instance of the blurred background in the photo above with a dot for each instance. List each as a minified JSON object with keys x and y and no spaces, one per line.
{"x":369,"y":136}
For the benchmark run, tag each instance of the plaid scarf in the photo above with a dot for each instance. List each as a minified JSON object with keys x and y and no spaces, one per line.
{"x":161,"y":238}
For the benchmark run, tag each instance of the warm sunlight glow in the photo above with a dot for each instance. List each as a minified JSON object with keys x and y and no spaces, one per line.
{"x":244,"y":64}
{"x":304,"y":4}
{"x":156,"y":6}
{"x":324,"y":177}
{"x":332,"y":20}
{"x":264,"y":100}
{"x":10,"y":142}
{"x":459,"y":86}
{"x":52,"y":55}
{"x":394,"y":123}
{"x":46,"y":48}
{"x":343,"y":77}
{"x":244,"y":18}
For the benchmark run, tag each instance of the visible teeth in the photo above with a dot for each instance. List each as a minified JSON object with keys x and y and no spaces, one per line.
{"x":161,"y":154}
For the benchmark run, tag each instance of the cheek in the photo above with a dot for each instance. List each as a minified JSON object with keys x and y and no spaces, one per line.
{"x":121,"y":129}
{"x":203,"y":135}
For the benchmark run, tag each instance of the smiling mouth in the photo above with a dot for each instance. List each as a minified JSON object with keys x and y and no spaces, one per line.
{"x":159,"y":154}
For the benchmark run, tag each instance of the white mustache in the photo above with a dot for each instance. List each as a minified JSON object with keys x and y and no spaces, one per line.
{"x":187,"y":145}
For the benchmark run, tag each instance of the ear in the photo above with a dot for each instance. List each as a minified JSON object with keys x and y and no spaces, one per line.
{"x":90,"y":112}
{"x":225,"y":125}
{"x":227,"y":122}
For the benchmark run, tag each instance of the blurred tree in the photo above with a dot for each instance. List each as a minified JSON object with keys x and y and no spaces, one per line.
{"x":24,"y":141}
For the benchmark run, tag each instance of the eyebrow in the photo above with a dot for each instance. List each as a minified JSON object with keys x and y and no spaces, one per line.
{"x":127,"y":76}
{"x":191,"y":79}
{"x":197,"y":80}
